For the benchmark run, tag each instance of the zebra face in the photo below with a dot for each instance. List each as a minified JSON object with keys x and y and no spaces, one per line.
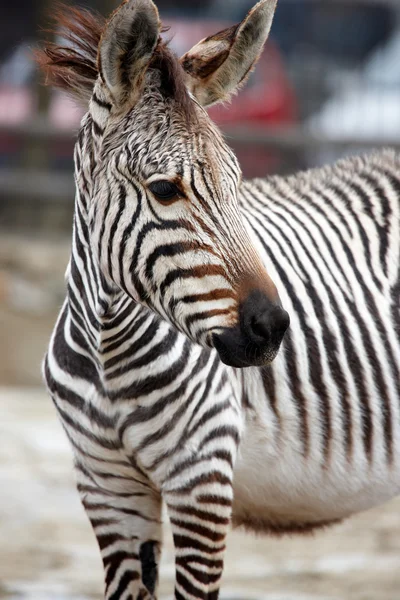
{"x":166,"y":218}
{"x":167,"y":205}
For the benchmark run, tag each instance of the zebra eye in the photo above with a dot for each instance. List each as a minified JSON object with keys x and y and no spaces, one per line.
{"x":164,"y":191}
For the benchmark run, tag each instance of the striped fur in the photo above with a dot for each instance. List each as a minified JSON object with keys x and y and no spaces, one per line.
{"x":152,"y":413}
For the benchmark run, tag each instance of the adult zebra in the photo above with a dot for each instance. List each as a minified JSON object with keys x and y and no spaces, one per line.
{"x":168,"y":294}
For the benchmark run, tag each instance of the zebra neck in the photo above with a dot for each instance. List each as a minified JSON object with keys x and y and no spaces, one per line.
{"x":92,"y":299}
{"x":110,"y":322}
{"x":105,"y":316}
{"x":112,"y":328}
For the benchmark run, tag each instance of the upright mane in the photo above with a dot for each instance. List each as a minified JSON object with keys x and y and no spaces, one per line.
{"x":72,"y":65}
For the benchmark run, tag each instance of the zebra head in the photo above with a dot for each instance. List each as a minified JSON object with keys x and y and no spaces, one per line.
{"x":165,"y":216}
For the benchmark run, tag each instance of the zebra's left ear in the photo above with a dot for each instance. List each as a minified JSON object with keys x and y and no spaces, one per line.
{"x":126,"y":48}
{"x":219,"y":65}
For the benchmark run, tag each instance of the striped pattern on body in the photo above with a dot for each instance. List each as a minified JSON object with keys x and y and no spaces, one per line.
{"x":152,"y":411}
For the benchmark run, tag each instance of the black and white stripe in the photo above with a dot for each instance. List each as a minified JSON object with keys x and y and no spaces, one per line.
{"x":151,"y":414}
{"x":151,"y":411}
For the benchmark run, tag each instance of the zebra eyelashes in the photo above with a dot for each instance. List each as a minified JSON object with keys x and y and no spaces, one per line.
{"x":165,"y":191}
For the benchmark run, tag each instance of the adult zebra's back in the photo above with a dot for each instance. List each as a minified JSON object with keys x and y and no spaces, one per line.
{"x":173,"y":288}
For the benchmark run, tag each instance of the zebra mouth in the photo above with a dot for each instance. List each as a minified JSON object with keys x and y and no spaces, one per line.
{"x":241,"y":355}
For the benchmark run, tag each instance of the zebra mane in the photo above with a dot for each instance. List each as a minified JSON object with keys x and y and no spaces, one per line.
{"x":72,"y":64}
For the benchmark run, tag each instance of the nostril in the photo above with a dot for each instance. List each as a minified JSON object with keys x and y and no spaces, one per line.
{"x":260,"y":328}
{"x":262,"y":322}
{"x":267,"y":327}
{"x":282,"y":321}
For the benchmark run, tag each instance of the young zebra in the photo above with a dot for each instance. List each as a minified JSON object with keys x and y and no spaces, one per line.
{"x":168,"y":296}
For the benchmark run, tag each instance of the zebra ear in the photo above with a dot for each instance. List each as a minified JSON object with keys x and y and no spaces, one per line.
{"x":126,"y":47}
{"x":219,"y":65}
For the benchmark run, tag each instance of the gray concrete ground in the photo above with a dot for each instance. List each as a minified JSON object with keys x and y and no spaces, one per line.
{"x":48,"y":551}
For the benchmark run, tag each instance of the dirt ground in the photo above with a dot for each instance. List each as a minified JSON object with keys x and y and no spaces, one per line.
{"x":48,"y":551}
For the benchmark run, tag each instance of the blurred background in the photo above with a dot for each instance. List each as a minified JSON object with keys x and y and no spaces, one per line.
{"x":327,"y":85}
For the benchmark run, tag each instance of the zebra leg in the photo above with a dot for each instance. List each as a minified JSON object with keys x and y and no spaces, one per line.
{"x":200,"y":514}
{"x":126,"y":517}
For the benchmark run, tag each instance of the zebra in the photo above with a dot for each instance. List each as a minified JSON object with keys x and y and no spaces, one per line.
{"x":176,"y":371}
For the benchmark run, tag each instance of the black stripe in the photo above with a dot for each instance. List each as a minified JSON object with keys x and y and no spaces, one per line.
{"x":114,"y":227}
{"x":101,"y":102}
{"x":153,"y":383}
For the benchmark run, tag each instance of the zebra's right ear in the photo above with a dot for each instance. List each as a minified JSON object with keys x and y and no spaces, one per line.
{"x":126,"y":48}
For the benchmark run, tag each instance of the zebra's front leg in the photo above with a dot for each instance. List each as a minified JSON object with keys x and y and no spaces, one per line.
{"x":200,"y":507}
{"x":126,"y":517}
